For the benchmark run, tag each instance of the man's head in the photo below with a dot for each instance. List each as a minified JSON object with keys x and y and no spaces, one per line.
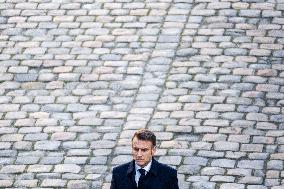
{"x":143,"y":147}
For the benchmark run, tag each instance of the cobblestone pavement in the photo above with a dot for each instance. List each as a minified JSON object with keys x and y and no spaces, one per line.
{"x":78,"y":77}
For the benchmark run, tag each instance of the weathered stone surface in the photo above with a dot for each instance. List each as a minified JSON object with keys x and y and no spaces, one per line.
{"x":53,"y":183}
{"x":67,"y":168}
{"x":78,"y":78}
{"x":13,"y":169}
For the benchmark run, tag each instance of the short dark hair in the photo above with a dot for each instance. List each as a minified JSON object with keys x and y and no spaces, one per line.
{"x":144,"y":134}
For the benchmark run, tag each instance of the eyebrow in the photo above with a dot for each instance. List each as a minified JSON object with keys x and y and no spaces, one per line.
{"x":140,"y":148}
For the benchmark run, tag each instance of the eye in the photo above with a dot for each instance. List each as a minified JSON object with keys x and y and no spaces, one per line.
{"x":144,"y":150}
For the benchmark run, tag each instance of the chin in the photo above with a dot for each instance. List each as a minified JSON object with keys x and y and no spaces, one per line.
{"x":140,"y":163}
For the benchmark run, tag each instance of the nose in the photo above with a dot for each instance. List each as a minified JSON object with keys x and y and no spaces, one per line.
{"x":139,"y":153}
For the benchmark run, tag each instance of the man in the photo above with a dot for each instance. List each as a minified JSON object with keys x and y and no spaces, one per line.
{"x":144,"y":172}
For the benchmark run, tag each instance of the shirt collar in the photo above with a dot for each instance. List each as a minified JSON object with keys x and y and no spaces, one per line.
{"x":146,"y":168}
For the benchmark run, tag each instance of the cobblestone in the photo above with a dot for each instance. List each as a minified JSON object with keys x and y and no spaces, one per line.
{"x":77,"y":78}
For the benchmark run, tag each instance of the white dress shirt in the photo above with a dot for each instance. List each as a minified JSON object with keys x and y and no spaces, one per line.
{"x":137,"y":173}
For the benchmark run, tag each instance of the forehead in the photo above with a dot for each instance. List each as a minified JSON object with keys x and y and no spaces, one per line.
{"x":141,"y":143}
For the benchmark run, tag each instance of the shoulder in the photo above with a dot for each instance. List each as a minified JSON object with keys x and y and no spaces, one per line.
{"x":166,"y":169}
{"x":121,"y":168}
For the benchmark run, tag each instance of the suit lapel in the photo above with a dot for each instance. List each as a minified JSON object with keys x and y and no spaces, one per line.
{"x":131,"y":175}
{"x":154,"y":167}
{"x":150,"y":181}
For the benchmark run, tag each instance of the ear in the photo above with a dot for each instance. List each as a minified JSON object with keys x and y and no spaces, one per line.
{"x":154,"y":149}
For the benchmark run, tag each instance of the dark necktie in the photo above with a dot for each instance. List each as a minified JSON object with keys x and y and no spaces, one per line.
{"x":141,"y":179}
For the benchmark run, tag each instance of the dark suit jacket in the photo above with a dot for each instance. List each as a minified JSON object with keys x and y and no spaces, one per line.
{"x":160,"y":176}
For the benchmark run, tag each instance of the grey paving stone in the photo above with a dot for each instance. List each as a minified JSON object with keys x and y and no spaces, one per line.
{"x":232,"y":146}
{"x":233,"y":186}
{"x":74,"y":144}
{"x":252,"y":164}
{"x":251,"y":180}
{"x":39,"y":168}
{"x":6,"y":161}
{"x":102,"y":144}
{"x":187,"y":52}
{"x":51,"y":160}
{"x":13,"y":169}
{"x":53,"y":183}
{"x":211,"y":154}
{"x":223,"y":163}
{"x":189,"y":169}
{"x":6,"y":183}
{"x":47,"y":145}
{"x":48,"y":175}
{"x":219,"y":178}
{"x":171,"y":160}
{"x":256,"y":187}
{"x":76,"y":160}
{"x":67,"y":168}
{"x":78,"y":184}
{"x":63,"y":136}
{"x":12,"y":137}
{"x":27,"y":160}
{"x":80,"y":77}
{"x":76,"y":107}
{"x":204,"y":185}
{"x":196,"y":161}
{"x":212,"y":171}
{"x":274,"y":164}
